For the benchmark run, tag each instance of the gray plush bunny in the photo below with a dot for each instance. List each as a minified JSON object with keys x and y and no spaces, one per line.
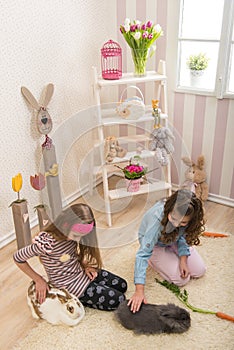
{"x":161,"y":142}
{"x":154,"y":319}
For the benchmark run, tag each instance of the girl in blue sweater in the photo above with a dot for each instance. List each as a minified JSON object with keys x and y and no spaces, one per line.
{"x":166,"y":235}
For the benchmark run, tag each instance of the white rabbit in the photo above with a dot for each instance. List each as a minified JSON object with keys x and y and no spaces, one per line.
{"x":60,"y":307}
{"x":44,"y":121}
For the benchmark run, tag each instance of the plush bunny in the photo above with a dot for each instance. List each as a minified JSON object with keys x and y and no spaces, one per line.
{"x":154,"y":319}
{"x":195,"y":177}
{"x":44,"y":121}
{"x":161,"y":141}
{"x":60,"y":307}
{"x":112,"y":149}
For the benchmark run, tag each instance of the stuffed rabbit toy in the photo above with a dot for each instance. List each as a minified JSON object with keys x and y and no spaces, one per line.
{"x":195,"y":177}
{"x":44,"y":121}
{"x":60,"y":307}
{"x":112,"y":149}
{"x":154,"y":319}
{"x":161,"y":142}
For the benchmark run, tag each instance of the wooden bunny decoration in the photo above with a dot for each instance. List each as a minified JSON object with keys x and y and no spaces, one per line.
{"x":44,"y":126}
{"x":44,"y":121}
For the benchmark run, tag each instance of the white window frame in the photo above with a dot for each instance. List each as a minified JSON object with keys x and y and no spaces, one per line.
{"x":224,"y":55}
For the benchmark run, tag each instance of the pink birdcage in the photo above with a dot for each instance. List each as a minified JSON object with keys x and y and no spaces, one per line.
{"x":111,"y":54}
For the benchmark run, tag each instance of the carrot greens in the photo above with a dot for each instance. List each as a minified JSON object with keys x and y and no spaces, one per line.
{"x":182,"y":296}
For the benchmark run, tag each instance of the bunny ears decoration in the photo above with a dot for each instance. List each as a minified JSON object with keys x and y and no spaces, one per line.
{"x":44,"y":121}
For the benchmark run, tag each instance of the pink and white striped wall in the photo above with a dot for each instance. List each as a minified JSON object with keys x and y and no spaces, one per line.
{"x":201,"y":124}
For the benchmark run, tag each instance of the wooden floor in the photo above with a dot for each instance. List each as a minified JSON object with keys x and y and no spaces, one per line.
{"x":16,"y":319}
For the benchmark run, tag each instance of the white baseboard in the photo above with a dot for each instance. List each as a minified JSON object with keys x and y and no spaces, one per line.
{"x":221,"y":200}
{"x":214,"y":198}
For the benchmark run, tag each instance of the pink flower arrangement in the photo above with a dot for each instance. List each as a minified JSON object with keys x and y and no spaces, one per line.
{"x":134,"y":170}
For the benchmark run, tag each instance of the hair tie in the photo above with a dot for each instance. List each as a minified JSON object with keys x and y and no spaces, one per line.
{"x":82,"y":228}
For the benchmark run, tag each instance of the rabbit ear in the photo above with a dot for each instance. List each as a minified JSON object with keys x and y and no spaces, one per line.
{"x":187,"y":161}
{"x":47,"y":94}
{"x":30,"y":98}
{"x":201,"y":162}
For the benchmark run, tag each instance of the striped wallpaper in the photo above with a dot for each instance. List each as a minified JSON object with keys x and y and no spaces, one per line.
{"x":201,"y":124}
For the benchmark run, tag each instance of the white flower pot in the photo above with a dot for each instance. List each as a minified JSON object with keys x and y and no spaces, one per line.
{"x":196,"y":73}
{"x":196,"y":77}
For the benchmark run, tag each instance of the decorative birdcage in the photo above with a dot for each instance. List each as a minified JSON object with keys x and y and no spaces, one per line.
{"x":111,"y":53}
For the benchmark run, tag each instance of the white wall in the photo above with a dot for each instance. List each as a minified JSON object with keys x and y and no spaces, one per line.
{"x":44,"y":41}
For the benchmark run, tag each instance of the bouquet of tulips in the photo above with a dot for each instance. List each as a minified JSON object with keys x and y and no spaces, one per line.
{"x":140,"y":37}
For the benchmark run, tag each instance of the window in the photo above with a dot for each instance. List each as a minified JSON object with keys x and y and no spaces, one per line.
{"x":206,"y":27}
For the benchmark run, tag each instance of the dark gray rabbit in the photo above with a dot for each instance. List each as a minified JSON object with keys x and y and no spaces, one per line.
{"x":153,"y":319}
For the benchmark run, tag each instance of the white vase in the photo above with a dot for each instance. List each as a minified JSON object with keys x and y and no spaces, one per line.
{"x":196,"y":77}
{"x":197,"y":73}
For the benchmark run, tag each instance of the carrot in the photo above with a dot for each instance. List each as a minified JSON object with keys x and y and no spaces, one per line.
{"x":215,"y":235}
{"x":224,"y":316}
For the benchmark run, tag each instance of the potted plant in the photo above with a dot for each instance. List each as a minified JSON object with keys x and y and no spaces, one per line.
{"x":133,"y":172}
{"x":197,"y":63}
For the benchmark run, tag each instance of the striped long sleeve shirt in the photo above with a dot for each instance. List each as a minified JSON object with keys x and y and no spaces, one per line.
{"x":60,"y":261}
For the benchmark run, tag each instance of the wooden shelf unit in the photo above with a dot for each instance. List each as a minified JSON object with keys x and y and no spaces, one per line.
{"x":109,"y":117}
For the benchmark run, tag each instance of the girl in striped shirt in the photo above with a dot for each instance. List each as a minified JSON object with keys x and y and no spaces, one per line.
{"x":70,"y":256}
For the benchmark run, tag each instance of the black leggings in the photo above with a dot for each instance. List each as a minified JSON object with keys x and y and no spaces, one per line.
{"x":105,"y":292}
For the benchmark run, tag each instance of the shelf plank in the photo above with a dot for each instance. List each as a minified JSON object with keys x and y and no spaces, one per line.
{"x":146,"y":188}
{"x":144,"y":154}
{"x":130,"y":78}
{"x":112,"y":118}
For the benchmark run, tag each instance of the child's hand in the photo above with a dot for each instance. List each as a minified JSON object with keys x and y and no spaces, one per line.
{"x":184,"y":271}
{"x":91,"y":272}
{"x":136,"y":300}
{"x":41,"y":289}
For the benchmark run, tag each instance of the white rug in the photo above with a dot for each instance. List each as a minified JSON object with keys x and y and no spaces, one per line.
{"x":100,"y":330}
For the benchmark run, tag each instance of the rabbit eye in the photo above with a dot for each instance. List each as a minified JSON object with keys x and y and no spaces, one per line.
{"x":70,"y":309}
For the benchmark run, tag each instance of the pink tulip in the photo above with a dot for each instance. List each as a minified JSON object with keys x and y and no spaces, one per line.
{"x":38,"y":181}
{"x":149,"y":24}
